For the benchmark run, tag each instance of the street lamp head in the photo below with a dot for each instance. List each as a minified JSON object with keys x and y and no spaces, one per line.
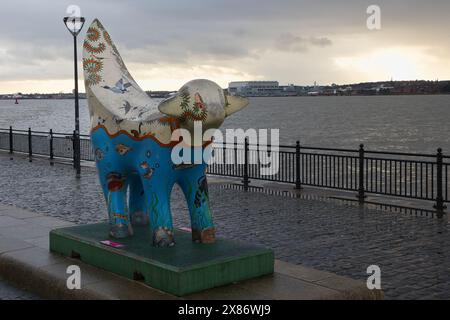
{"x":74,"y":24}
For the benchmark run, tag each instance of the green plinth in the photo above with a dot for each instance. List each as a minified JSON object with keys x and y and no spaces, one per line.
{"x":187,"y":267}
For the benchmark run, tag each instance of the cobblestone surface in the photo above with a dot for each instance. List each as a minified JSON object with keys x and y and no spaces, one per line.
{"x":412,"y":252}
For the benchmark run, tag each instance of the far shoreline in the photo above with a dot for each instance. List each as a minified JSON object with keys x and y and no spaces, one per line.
{"x":278,"y":96}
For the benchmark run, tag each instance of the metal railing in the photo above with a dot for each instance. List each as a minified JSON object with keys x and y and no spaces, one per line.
{"x":51,"y":144}
{"x":397,"y":174}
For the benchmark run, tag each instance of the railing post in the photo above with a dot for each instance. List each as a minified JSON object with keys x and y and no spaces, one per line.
{"x":235,"y":146}
{"x":74,"y":148}
{"x":298,"y":183}
{"x":11,"y":142}
{"x":224,"y":152}
{"x":439,"y":206}
{"x":361,"y":193}
{"x":30,"y":147}
{"x":51,"y":146}
{"x":78,"y":153}
{"x":246,"y":180}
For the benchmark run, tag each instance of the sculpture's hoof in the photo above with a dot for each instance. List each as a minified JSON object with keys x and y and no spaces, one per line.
{"x":139,"y":218}
{"x":163,"y":237}
{"x":204,"y":236}
{"x":120,"y":231}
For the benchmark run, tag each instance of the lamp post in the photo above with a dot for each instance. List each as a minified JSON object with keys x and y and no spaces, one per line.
{"x":74,"y":25}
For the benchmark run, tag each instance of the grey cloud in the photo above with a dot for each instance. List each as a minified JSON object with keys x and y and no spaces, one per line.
{"x":290,"y":42}
{"x":320,"y":42}
{"x":184,"y":51}
{"x":26,"y":54}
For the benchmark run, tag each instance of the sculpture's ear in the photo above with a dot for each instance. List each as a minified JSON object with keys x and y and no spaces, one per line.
{"x":234,"y":104}
{"x":171,"y":106}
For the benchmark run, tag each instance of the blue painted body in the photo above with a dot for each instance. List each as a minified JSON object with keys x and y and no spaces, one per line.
{"x":137,"y":177}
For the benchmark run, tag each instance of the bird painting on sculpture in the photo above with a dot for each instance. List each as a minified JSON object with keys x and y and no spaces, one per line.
{"x":120,"y":87}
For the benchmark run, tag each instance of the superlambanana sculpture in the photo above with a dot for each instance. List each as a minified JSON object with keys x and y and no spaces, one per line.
{"x":131,"y":134}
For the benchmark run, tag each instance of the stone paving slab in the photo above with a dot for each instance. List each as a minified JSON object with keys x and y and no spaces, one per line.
{"x":7,"y":221}
{"x":297,"y":271}
{"x":29,"y":266}
{"x":8,"y":244}
{"x":27,"y":230}
{"x":40,"y":242}
{"x":15,"y":212}
{"x":44,"y":221}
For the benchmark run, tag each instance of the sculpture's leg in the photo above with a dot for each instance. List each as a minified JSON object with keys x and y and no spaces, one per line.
{"x":157,"y":193}
{"x":195,"y":188}
{"x":115,"y":187}
{"x":138,"y":213}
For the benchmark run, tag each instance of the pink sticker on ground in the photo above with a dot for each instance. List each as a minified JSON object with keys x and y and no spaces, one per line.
{"x":113,"y":244}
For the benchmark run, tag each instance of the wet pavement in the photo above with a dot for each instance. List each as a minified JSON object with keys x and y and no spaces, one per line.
{"x":411,"y":251}
{"x":8,"y":292}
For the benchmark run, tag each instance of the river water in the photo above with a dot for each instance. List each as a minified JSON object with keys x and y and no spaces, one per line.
{"x":396,"y":123}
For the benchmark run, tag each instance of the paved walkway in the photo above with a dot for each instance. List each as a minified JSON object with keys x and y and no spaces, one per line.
{"x":412,"y":252}
{"x":26,"y":261}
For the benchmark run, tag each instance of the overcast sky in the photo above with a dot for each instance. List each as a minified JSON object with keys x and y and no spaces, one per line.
{"x":166,"y":43}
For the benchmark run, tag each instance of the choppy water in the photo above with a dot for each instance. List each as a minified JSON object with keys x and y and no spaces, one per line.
{"x":401,"y":123}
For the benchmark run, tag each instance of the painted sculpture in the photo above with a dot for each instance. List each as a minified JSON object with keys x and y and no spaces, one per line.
{"x":132,"y":138}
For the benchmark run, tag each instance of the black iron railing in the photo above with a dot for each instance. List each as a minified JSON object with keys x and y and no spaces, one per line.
{"x":52,"y":144}
{"x":397,"y":174}
{"x":406,"y":175}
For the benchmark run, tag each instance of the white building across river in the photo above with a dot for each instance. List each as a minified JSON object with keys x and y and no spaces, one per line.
{"x":254,"y":88}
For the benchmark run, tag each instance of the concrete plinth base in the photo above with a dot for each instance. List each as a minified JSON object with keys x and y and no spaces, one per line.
{"x":186,"y":268}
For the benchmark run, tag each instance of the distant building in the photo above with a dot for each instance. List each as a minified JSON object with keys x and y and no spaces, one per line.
{"x":254,"y":88}
{"x":293,"y":90}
